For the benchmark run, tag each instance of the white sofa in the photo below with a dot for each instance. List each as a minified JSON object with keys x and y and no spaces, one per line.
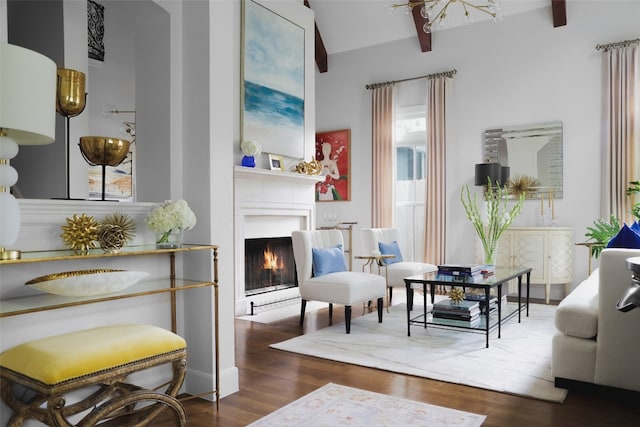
{"x":595,"y":342}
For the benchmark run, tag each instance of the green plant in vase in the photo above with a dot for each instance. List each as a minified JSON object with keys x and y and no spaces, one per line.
{"x":498,"y":216}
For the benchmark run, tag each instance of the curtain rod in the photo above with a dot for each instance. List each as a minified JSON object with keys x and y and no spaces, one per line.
{"x":449,"y":73}
{"x":625,"y":43}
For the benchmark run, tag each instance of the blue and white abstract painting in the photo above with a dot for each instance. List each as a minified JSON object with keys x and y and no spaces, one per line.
{"x":273,"y":89}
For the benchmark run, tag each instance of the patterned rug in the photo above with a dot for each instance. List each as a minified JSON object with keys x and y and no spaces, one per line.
{"x":336,"y":405}
{"x":518,"y":363}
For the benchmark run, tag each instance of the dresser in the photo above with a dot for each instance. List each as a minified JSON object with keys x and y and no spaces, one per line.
{"x":547,"y":250}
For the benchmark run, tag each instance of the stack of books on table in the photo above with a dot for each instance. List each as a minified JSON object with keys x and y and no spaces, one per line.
{"x":468,"y":311}
{"x":466,"y":271}
{"x":482,"y":299}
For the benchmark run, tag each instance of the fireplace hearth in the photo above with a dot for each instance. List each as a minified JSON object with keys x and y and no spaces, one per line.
{"x":269,"y":265}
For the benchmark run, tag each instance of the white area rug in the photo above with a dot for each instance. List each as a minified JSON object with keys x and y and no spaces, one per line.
{"x":518,"y":363}
{"x":336,"y":405}
{"x":285,"y":312}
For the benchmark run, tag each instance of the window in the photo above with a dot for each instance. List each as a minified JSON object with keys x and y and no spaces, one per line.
{"x":411,"y":153}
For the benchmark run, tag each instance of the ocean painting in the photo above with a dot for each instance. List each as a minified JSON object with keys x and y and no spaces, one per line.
{"x":273,"y":89}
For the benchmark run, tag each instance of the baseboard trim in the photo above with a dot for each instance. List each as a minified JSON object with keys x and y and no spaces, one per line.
{"x":630,"y":396}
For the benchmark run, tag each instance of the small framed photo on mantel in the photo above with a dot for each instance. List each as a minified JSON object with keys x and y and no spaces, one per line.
{"x":276,"y":162}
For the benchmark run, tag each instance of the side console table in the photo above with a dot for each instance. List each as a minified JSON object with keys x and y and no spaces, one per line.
{"x":172,"y":284}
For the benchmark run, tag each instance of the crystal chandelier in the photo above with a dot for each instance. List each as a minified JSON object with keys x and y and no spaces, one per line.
{"x":436,"y":11}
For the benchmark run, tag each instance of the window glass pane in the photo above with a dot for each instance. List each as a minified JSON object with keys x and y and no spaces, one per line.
{"x":405,"y":163}
{"x":421,"y":157}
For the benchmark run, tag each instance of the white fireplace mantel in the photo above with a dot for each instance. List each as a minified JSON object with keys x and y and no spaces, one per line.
{"x":269,"y":204}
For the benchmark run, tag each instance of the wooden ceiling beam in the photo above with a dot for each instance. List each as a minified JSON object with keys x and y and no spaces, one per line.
{"x":321,"y":52}
{"x":559,"y":8}
{"x":423,"y":38}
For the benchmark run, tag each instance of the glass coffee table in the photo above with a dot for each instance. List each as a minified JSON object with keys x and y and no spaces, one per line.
{"x":489,"y":320}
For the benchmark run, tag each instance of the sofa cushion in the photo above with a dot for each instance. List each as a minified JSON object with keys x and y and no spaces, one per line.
{"x":577,"y":313}
{"x":627,"y":237}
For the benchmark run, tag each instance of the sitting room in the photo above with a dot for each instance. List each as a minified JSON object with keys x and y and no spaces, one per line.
{"x":396,"y":216}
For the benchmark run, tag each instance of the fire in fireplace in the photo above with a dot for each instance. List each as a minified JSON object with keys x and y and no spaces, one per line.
{"x":268,"y":265}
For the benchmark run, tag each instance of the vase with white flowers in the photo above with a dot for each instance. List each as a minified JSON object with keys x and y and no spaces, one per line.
{"x":250,"y":149}
{"x":498,"y":215}
{"x":168,"y":221}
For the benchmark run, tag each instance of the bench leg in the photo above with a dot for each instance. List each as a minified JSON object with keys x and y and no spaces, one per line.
{"x":347,"y":318}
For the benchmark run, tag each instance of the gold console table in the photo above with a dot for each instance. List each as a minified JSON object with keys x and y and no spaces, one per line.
{"x":172,"y":284}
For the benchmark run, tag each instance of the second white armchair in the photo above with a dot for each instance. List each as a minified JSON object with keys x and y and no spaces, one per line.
{"x":382,"y":240}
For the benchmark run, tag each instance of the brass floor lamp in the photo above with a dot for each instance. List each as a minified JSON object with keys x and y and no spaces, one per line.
{"x":71,"y":100}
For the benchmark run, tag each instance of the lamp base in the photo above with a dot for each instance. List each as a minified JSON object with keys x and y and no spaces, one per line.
{"x":6,"y":254}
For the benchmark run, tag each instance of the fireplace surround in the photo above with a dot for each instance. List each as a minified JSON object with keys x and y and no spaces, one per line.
{"x":268,"y":205}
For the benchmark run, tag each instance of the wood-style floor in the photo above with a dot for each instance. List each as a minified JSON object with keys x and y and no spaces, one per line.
{"x":270,"y":379}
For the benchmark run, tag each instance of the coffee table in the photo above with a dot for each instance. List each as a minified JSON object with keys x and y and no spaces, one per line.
{"x":488,"y":321}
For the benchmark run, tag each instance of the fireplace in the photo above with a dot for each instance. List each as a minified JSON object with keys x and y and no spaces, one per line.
{"x":269,"y":206}
{"x":268,"y":265}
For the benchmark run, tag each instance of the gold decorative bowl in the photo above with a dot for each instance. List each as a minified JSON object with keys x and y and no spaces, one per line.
{"x":103,"y":150}
{"x":84,"y":283}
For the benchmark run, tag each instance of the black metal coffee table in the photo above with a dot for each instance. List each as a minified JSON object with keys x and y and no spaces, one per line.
{"x":488,"y":321}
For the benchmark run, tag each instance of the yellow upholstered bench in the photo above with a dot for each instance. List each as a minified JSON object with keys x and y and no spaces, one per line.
{"x":97,"y":360}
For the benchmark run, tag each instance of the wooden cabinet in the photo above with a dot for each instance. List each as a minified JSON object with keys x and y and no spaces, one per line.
{"x":171,"y":284}
{"x":547,"y":250}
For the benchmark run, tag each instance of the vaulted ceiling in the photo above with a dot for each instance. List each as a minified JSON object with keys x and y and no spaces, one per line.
{"x":343,"y":25}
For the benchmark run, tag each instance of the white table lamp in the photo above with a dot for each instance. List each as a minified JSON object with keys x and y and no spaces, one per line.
{"x":27,"y":117}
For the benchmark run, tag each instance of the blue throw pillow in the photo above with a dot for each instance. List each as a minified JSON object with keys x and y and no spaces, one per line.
{"x":626,"y":238}
{"x":390,"y":249}
{"x":636,"y":227}
{"x":328,"y":260}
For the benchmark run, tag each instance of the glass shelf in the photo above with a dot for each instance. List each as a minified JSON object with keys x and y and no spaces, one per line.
{"x":44,"y":302}
{"x":66,"y":254}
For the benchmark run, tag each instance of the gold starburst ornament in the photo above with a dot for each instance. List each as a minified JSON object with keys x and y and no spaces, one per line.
{"x":456,"y":295}
{"x":80,"y":234}
{"x":115,"y":231}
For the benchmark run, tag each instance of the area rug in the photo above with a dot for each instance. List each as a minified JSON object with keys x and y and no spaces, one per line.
{"x":518,"y":363}
{"x":337,"y":405}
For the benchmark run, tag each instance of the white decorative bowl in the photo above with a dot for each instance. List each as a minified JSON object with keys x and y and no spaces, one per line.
{"x":85,"y":283}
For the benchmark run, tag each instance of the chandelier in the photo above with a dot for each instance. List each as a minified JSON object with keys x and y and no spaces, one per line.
{"x":435,"y":11}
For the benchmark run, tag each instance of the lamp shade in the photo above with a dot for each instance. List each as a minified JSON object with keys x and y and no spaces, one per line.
{"x":27,"y":95}
{"x":27,"y":117}
{"x":486,"y":171}
{"x":505,"y":171}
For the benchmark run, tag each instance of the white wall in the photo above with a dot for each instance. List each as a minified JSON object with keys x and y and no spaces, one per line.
{"x":518,"y":71}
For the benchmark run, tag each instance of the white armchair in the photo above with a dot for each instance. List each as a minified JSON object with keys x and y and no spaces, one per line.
{"x":321,"y":277}
{"x":397,"y":268}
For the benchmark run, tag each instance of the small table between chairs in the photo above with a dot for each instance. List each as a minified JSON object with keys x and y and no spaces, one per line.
{"x":488,"y":321}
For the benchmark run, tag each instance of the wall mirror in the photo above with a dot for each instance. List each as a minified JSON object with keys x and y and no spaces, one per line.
{"x":134,"y":76}
{"x":529,"y":150}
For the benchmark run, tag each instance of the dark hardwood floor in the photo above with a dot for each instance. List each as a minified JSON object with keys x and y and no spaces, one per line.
{"x":270,"y":379}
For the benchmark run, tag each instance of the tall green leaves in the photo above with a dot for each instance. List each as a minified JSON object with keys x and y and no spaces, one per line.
{"x":498,"y":214}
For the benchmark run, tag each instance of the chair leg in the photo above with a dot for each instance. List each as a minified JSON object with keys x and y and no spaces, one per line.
{"x":303,"y":306}
{"x":380,"y":304}
{"x":330,"y":312}
{"x":390,"y":290}
{"x":347,"y":317}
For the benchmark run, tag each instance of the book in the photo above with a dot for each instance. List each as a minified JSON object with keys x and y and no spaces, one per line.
{"x":463,"y":305}
{"x":460,"y":268}
{"x":457,"y":316}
